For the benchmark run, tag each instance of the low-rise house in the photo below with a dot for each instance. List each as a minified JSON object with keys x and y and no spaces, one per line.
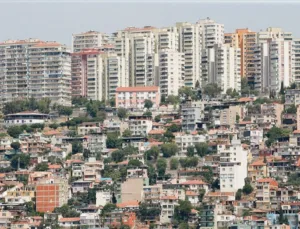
{"x":81,"y":186}
{"x":69,"y":222}
{"x":88,"y":127}
{"x":184,"y":141}
{"x":265,"y":189}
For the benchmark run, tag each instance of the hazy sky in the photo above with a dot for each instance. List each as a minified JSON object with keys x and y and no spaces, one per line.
{"x":57,"y":21}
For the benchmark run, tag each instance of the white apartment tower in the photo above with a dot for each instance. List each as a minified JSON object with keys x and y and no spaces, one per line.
{"x":168,"y":38}
{"x":221,"y":64}
{"x":193,"y":38}
{"x":135,"y":45}
{"x":97,"y":74}
{"x":274,"y":33}
{"x":88,"y":40}
{"x":34,"y":68}
{"x":171,"y":72}
{"x":296,"y":60}
{"x":233,"y":166}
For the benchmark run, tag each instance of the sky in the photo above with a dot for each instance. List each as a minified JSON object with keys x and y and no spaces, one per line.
{"x":57,"y":20}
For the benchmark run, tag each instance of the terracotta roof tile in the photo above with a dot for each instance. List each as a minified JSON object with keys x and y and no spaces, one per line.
{"x":137,"y":89}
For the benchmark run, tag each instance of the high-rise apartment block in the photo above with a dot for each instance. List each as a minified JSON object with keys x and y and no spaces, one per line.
{"x":221,"y":65}
{"x":34,"y":68}
{"x":97,"y":74}
{"x":88,"y":40}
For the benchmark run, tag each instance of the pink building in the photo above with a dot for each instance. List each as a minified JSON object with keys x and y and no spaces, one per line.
{"x":134,"y":97}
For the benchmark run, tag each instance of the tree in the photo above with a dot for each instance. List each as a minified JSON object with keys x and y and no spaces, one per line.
{"x":148,"y":103}
{"x":282,"y":92}
{"x":152,"y":153}
{"x":183,"y":225}
{"x":122,"y":113}
{"x":53,"y":125}
{"x":169,"y":149}
{"x":14,"y":131}
{"x":127,"y":133}
{"x":174,"y":163}
{"x":15,"y":146}
{"x":107,"y":209}
{"x":148,"y":212}
{"x":183,"y":210}
{"x":147,"y":113}
{"x":188,"y":162}
{"x":172,"y":99}
{"x":202,"y":149}
{"x":77,"y":147}
{"x":86,"y":154}
{"x":20,"y":159}
{"x":291,"y":110}
{"x":134,"y":163}
{"x":113,"y":141}
{"x":44,"y":105}
{"x":212,"y":90}
{"x":186,"y":93}
{"x":190,"y":151}
{"x":151,"y":174}
{"x":41,"y":167}
{"x":66,"y":211}
{"x":157,"y":118}
{"x":118,"y":156}
{"x":67,"y":111}
{"x":247,"y":189}
{"x":238,"y":194}
{"x":274,"y":133}
{"x":91,"y":196}
{"x":112,"y":102}
{"x":161,"y":166}
{"x":174,"y":128}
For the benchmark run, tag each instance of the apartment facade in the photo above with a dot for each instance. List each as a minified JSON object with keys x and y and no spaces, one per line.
{"x":51,"y":193}
{"x":97,"y":74}
{"x":88,"y":40}
{"x":233,"y":166}
{"x":221,"y":65}
{"x":34,"y":68}
{"x":134,"y":97}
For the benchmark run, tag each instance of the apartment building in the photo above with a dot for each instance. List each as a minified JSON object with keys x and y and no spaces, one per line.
{"x":296,"y":60}
{"x":292,"y":97}
{"x":88,"y":40}
{"x":233,"y":166}
{"x":269,"y":114}
{"x":168,"y":39}
{"x":51,"y":193}
{"x":230,"y":115}
{"x":184,"y":141}
{"x":221,"y":65}
{"x":140,"y":126}
{"x":34,"y":68}
{"x":192,"y":112}
{"x":274,"y":33}
{"x":134,"y":97}
{"x":266,"y":188}
{"x":134,"y":45}
{"x":97,"y":74}
{"x":171,"y":72}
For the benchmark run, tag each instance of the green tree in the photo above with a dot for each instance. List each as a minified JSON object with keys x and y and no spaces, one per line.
{"x":113,"y":141}
{"x":174,"y":163}
{"x":15,"y":146}
{"x":53,"y":125}
{"x":152,"y":153}
{"x":147,"y":113}
{"x":183,"y":225}
{"x":157,"y":118}
{"x":112,"y":102}
{"x":151,"y":174}
{"x":161,"y":166}
{"x":122,"y":113}
{"x":190,"y":151}
{"x":183,"y":211}
{"x":172,"y":99}
{"x":186,"y":92}
{"x":274,"y":133}
{"x":91,"y":196}
{"x":134,"y":163}
{"x":148,"y":212}
{"x":291,"y":110}
{"x":41,"y":167}
{"x":188,"y":162}
{"x":202,"y":149}
{"x":127,"y":133}
{"x":174,"y":128}
{"x":66,"y":211}
{"x":77,"y":147}
{"x":14,"y":131}
{"x":247,"y":189}
{"x":67,"y":111}
{"x":107,"y":209}
{"x":148,"y":103}
{"x":118,"y":156}
{"x":212,"y":90}
{"x":169,"y":149}
{"x":20,"y":159}
{"x":238,"y":194}
{"x":44,"y":105}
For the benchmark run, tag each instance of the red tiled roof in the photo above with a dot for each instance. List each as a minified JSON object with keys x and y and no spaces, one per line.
{"x":75,"y":219}
{"x":137,"y":89}
{"x":258,"y":163}
{"x":133,"y":203}
{"x":168,"y":198}
{"x":154,"y":132}
{"x":193,"y":182}
{"x":245,"y":99}
{"x":268,"y":180}
{"x":191,"y":193}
